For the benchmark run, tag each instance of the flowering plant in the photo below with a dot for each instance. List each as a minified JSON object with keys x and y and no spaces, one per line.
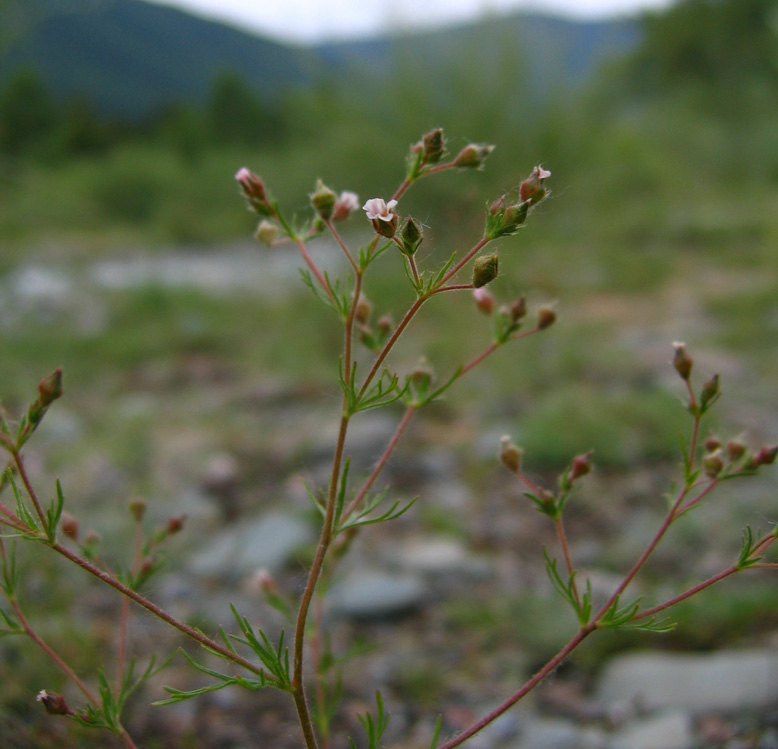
{"x":295,"y":664}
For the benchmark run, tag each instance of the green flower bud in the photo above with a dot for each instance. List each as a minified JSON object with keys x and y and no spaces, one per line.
{"x":434,"y":145}
{"x":323,"y":200}
{"x":485,"y":270}
{"x":411,"y":236}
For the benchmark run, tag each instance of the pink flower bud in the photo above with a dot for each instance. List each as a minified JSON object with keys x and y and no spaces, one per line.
{"x":546,"y":317}
{"x":484,"y":300}
{"x":510,"y":455}
{"x":532,"y":190}
{"x":54,"y":703}
{"x":50,"y":388}
{"x":682,"y":362}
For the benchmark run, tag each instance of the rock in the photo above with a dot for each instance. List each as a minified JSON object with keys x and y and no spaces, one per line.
{"x":729,"y":680}
{"x":374,"y":594}
{"x":269,"y":541}
{"x":667,"y":730}
{"x":436,"y":557}
{"x":556,"y":733}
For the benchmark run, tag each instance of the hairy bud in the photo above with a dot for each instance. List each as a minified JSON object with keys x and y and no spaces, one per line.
{"x":485,"y":269}
{"x":682,"y":362}
{"x":510,"y":455}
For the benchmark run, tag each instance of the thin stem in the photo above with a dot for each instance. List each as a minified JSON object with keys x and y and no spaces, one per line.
{"x":582,"y":634}
{"x":342,"y":244}
{"x":33,"y":635}
{"x":11,"y":520}
{"x":314,"y":268}
{"x":453,"y":287}
{"x":301,"y":704}
{"x":160,"y":613}
{"x":480,"y":244}
{"x":414,"y":308}
{"x":560,"y":530}
{"x":379,"y":466}
{"x":316,"y":647}
{"x":125,"y":610}
{"x":17,"y":456}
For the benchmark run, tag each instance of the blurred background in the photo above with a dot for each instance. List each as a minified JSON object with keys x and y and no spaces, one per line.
{"x":200,"y":373}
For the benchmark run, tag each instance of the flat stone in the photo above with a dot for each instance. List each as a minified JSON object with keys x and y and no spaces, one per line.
{"x":729,"y":680}
{"x":269,"y":541}
{"x":374,"y":594}
{"x":668,"y":730}
{"x":438,"y":556}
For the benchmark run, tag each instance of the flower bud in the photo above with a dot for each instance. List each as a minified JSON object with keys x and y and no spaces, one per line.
{"x":175,"y":524}
{"x":710,"y":391}
{"x":267,"y":232}
{"x":53,"y":702}
{"x":546,"y":317}
{"x":473,"y":156}
{"x":254,"y":191}
{"x":532,"y":190}
{"x":323,"y":200}
{"x":516,"y":214}
{"x":484,"y":300}
{"x":411,"y":236}
{"x":385,"y":325}
{"x":497,"y":206}
{"x":69,"y":525}
{"x":713,"y":464}
{"x":420,"y":381}
{"x":434,"y":145}
{"x":581,"y":466}
{"x":766,"y":455}
{"x":736,"y":449}
{"x":510,"y":455}
{"x":345,"y":205}
{"x":682,"y":362}
{"x":50,"y":388}
{"x":712,"y":443}
{"x":137,"y":508}
{"x":363,"y":310}
{"x":146,"y":567}
{"x":518,"y":310}
{"x":485,"y":269}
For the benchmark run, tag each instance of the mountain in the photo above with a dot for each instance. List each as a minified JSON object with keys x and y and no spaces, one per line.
{"x":129,"y":57}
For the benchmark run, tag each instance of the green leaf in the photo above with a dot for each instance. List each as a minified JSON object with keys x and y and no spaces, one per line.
{"x":391,"y":514}
{"x":21,"y":508}
{"x":9,"y":572}
{"x":745,"y":559}
{"x":438,"y":724}
{"x":54,"y":513}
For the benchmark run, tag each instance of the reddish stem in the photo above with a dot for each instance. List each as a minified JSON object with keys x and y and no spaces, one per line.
{"x":379,"y":466}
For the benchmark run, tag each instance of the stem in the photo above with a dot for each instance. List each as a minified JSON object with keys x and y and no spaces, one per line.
{"x":342,"y":244}
{"x":414,"y":308}
{"x":478,"y":246}
{"x":560,"y":530}
{"x":317,"y":659}
{"x":314,"y":268}
{"x":160,"y":613}
{"x":303,"y":712}
{"x":11,"y":520}
{"x":582,"y":634}
{"x":379,"y":466}
{"x":52,"y":655}
{"x":17,"y":456}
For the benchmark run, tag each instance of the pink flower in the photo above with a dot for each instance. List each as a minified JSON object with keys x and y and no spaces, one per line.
{"x":344,"y":205}
{"x":378,"y":208}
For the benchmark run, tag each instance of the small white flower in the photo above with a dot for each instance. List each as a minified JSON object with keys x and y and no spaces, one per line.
{"x":378,"y":208}
{"x":42,"y":695}
{"x":541,"y":173}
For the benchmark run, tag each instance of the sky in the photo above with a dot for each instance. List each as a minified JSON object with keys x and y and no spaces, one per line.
{"x":316,"y":20}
